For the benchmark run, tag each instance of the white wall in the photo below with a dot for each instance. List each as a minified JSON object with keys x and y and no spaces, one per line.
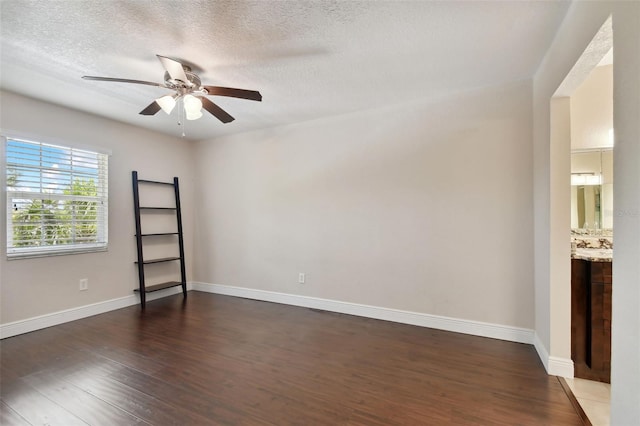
{"x":592,"y":110}
{"x":582,"y":22}
{"x":560,"y":141}
{"x":423,"y":207}
{"x":33,"y":287}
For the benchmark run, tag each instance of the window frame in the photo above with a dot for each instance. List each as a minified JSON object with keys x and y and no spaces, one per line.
{"x":102,"y":198}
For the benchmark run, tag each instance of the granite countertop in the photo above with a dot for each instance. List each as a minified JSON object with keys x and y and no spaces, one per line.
{"x":593,"y":254}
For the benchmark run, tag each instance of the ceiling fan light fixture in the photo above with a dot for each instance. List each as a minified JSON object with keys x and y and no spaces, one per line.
{"x":167,"y":103}
{"x":192,"y":115}
{"x":192,"y":106}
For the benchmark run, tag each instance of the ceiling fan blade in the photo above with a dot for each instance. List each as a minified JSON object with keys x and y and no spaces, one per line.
{"x":151,"y":109}
{"x":215,"y":110}
{"x":122,"y":80}
{"x":252,"y":95}
{"x":174,"y":68}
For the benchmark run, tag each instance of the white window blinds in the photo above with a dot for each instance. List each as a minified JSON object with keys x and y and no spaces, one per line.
{"x":57,"y":199}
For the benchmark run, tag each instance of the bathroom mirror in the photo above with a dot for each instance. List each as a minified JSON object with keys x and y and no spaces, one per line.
{"x":592,"y":189}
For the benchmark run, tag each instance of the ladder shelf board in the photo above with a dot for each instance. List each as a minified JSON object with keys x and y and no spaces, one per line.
{"x":160,"y":260}
{"x":155,"y":182}
{"x":156,"y":208}
{"x":161,"y":286}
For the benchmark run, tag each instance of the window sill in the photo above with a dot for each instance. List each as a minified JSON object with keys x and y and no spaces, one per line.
{"x":58,"y":252}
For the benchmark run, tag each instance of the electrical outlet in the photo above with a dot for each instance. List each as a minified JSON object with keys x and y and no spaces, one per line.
{"x":84,"y":284}
{"x":301,"y":278}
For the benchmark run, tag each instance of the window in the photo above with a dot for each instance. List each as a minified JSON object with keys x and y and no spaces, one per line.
{"x":57,"y":199}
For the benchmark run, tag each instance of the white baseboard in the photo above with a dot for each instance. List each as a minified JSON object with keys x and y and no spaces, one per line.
{"x":60,"y":317}
{"x":476,"y":328}
{"x":554,"y":365}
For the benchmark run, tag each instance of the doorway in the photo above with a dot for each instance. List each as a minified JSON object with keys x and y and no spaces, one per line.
{"x":582,"y":132}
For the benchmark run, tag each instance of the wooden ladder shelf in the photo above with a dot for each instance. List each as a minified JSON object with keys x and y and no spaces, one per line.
{"x":140,"y":237}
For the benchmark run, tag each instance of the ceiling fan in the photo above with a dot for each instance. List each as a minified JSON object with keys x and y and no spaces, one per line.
{"x":189,"y":89}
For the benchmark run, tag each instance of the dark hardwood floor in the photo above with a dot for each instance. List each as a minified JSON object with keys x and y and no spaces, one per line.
{"x":223,"y":360}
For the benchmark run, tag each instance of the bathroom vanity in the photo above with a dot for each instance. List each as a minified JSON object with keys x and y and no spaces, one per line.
{"x":591,"y":289}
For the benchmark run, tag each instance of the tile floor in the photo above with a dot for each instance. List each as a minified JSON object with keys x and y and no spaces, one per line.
{"x":594,"y":398}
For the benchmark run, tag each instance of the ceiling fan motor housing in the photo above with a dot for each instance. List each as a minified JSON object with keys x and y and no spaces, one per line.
{"x":193,"y":82}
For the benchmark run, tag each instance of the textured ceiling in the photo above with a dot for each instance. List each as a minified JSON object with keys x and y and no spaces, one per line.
{"x":309,"y":59}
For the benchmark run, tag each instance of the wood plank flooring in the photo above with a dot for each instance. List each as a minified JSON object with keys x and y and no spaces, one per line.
{"x":222,"y":360}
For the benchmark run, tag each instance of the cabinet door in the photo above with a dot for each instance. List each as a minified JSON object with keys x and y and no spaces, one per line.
{"x":591,"y":319}
{"x":601,"y":319}
{"x":579,"y":282}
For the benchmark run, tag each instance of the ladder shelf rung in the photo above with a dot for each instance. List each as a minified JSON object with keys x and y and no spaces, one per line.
{"x":158,"y":234}
{"x":156,"y":208}
{"x":155,"y":182}
{"x":160,"y":260}
{"x":161,"y":286}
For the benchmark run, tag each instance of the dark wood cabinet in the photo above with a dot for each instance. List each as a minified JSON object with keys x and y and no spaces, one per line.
{"x":591,"y":288}
{"x":579,"y":278}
